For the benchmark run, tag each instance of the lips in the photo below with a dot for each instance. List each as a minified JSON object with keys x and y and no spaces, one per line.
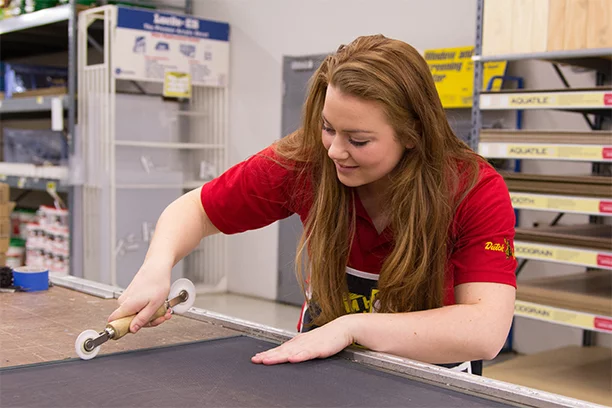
{"x":345,"y":167}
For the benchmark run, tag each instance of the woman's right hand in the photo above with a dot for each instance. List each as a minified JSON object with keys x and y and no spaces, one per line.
{"x":146,"y":293}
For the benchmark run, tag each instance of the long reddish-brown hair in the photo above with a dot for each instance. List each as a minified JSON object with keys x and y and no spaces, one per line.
{"x":425,"y":186}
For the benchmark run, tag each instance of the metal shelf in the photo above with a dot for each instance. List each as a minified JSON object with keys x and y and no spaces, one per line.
{"x":32,"y":104}
{"x":563,"y":254}
{"x":564,"y":317}
{"x":167,"y":145}
{"x":595,"y":58}
{"x":31,"y":177}
{"x":35,"y":19}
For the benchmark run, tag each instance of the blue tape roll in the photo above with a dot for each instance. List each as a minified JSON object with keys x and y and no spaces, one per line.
{"x":31,"y":279}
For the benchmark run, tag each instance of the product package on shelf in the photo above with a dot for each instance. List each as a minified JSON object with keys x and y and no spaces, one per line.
{"x":21,"y":80}
{"x":48,"y":240}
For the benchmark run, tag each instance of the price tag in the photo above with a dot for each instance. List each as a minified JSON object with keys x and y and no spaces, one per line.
{"x":21,"y":182}
{"x":51,"y":187}
{"x":177,"y":85}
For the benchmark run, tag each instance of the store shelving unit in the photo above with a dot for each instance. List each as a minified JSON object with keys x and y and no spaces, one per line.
{"x":34,"y":34}
{"x":38,"y":33}
{"x":142,"y":151}
{"x":588,"y":246}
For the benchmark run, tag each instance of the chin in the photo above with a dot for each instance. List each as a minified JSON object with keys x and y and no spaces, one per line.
{"x":350,"y":181}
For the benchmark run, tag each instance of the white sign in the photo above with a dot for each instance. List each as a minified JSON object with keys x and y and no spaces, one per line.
{"x":150,"y":43}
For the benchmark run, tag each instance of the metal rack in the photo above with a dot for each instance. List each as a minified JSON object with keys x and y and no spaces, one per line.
{"x":122,"y":122}
{"x":42,"y":32}
{"x":594,"y":146}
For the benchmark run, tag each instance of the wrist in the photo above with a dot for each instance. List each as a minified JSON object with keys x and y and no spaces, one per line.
{"x":350,"y":324}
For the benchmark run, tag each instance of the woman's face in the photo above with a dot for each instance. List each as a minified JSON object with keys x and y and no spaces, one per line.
{"x":359,"y":139}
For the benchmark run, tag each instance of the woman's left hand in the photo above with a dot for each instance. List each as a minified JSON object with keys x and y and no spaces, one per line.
{"x":321,"y":342}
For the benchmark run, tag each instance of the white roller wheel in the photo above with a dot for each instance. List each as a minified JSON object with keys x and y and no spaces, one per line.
{"x":79,"y":345}
{"x":177,"y":287}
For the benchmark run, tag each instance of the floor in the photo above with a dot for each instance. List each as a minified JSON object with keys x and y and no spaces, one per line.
{"x":269,"y":313}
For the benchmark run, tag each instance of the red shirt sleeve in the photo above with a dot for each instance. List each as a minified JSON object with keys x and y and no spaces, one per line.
{"x":251,"y":194}
{"x":484,"y":233}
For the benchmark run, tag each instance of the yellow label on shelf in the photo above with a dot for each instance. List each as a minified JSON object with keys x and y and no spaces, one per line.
{"x":577,"y":152}
{"x":558,"y":99}
{"x":580,"y":152}
{"x":560,"y":316}
{"x":453,"y":73}
{"x":548,"y":253}
{"x":177,"y":85}
{"x":532,"y":151}
{"x":560,"y":203}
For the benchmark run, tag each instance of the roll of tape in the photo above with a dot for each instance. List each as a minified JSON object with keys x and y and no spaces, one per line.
{"x":30,"y":278}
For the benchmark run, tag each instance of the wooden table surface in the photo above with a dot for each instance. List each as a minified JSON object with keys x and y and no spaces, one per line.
{"x":42,"y":326}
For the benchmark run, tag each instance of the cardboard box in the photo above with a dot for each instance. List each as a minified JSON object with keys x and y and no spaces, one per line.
{"x":4,"y":244}
{"x":6,"y":209}
{"x":5,"y":192}
{"x":5,"y":227}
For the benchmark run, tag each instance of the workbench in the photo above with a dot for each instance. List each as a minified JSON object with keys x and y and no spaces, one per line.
{"x":203,"y":359}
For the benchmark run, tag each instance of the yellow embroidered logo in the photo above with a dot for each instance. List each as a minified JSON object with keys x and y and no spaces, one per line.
{"x":506,"y":248}
{"x":509,"y":249}
{"x":490,"y":246}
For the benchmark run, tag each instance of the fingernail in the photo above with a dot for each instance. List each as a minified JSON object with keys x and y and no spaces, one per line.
{"x":136,"y":328}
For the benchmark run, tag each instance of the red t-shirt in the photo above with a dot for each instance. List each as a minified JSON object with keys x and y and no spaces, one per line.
{"x":259,"y":191}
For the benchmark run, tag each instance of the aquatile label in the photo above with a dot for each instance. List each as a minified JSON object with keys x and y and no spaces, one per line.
{"x":574,"y":152}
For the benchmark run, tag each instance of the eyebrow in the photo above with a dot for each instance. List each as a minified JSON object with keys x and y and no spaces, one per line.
{"x":349,"y":130}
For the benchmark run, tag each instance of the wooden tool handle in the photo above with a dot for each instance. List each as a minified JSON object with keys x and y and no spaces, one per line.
{"x":121,"y":327}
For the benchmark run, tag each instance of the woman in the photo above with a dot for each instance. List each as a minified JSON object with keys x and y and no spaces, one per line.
{"x":400,"y":218}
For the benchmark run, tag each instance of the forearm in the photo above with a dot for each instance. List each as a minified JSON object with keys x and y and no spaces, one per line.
{"x":179,"y":230}
{"x":445,"y":335}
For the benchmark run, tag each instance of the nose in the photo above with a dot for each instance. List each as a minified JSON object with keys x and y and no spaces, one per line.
{"x":337,"y":151}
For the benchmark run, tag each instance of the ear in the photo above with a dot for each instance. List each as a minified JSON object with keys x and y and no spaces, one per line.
{"x":410,"y":146}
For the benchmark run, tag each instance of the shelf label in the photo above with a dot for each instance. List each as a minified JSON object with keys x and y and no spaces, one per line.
{"x":558,"y":99}
{"x":574,"y":152}
{"x":568,"y":255}
{"x":177,"y":85}
{"x":560,"y":203}
{"x":561,"y":316}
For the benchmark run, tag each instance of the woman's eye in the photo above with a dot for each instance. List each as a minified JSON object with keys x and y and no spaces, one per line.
{"x":356,"y":143}
{"x":328,"y":130}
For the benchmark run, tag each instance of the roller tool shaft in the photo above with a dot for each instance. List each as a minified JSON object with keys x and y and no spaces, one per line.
{"x":182,"y":296}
